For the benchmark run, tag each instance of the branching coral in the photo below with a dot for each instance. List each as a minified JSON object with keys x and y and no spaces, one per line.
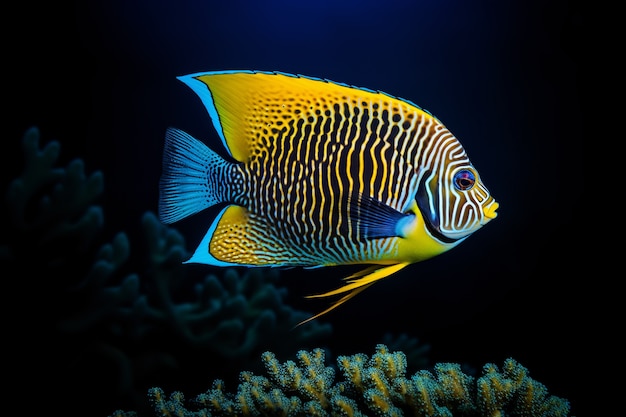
{"x":415,"y":351}
{"x":371,"y":386}
{"x":122,"y":325}
{"x":50,"y":205}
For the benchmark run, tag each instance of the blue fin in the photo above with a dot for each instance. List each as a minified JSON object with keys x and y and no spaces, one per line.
{"x":191,"y":177}
{"x":375,"y":220}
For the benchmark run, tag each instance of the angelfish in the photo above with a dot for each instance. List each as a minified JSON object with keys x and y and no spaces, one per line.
{"x":321,"y":174}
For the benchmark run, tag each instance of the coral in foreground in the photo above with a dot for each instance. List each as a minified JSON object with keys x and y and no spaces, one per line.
{"x":370,"y":386}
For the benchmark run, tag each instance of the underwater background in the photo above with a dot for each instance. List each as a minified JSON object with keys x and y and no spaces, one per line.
{"x":98,"y":308}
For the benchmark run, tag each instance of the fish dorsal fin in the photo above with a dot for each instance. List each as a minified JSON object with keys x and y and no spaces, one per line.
{"x":249,"y":108}
{"x":356,"y":283}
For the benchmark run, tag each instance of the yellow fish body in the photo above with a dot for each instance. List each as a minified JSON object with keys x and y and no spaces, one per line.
{"x":323,"y":174}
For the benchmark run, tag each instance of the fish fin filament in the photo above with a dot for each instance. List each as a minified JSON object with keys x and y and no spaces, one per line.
{"x":336,"y":304}
{"x":356,"y":283}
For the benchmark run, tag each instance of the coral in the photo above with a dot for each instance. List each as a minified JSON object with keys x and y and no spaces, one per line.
{"x":117,"y":313}
{"x":416,"y":353}
{"x":371,"y":386}
{"x":231,"y":315}
{"x":50,"y":206}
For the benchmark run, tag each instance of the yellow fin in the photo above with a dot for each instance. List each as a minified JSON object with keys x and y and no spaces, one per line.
{"x":238,"y":237}
{"x":250,"y":109}
{"x":357,"y":283}
{"x":336,"y":304}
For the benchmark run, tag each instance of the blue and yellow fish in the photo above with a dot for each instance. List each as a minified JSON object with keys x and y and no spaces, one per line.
{"x":323,"y":174}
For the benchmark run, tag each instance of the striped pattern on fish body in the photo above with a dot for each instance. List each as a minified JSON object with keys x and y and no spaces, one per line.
{"x":323,"y":174}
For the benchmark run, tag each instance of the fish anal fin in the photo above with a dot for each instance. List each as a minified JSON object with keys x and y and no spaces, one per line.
{"x":356,"y":283}
{"x":233,"y":239}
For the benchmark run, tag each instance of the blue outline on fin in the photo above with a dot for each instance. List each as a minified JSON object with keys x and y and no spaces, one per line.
{"x":202,"y":90}
{"x":202,"y":255}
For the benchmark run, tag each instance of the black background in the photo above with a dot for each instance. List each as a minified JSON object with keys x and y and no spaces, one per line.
{"x":505,"y":77}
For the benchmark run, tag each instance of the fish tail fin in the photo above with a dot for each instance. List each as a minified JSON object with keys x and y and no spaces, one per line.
{"x":356,"y":283}
{"x":191,"y":177}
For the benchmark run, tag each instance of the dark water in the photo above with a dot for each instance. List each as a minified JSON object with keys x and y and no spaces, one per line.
{"x":504,"y":77}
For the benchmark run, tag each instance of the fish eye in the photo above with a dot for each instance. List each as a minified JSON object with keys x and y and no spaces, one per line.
{"x":464,"y":180}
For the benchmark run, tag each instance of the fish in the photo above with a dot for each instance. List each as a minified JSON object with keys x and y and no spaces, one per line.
{"x":317,"y":173}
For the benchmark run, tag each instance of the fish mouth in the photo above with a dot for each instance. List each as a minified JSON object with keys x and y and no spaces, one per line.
{"x":489,"y":210}
{"x":429,"y":208}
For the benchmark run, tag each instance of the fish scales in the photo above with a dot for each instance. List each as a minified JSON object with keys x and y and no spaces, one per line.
{"x":324,"y":196}
{"x":324,"y":174}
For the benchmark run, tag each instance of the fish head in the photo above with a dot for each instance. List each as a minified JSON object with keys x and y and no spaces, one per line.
{"x":453,"y":200}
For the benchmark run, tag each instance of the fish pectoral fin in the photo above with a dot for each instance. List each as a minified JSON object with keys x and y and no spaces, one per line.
{"x":356,"y":283}
{"x":374,"y":219}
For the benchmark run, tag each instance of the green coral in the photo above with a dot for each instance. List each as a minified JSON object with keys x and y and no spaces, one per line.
{"x":50,"y":205}
{"x":123,"y":312}
{"x":370,"y":386}
{"x":415,"y":351}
